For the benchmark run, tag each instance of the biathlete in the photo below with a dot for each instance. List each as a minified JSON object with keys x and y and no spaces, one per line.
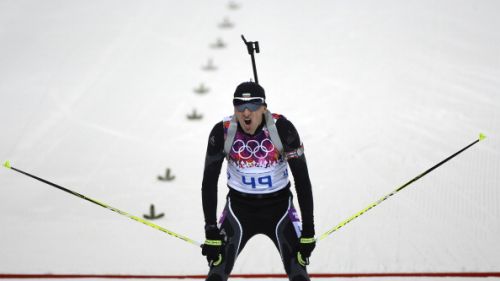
{"x":260,"y":148}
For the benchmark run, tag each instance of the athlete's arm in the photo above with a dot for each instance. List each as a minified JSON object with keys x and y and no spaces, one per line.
{"x":298,"y":165}
{"x":213,"y":163}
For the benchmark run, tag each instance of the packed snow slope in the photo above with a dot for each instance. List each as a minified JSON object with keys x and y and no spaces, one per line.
{"x":94,"y":96}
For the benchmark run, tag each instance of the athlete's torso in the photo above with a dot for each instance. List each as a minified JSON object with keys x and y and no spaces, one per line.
{"x":255,"y":165}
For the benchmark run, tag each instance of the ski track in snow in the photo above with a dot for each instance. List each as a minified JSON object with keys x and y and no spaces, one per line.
{"x":94,"y":96}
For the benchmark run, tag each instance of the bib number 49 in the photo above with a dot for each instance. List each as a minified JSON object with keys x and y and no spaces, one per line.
{"x":252,"y":181}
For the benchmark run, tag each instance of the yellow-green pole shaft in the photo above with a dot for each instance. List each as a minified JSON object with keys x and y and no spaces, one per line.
{"x":138,"y":219}
{"x":348,"y":220}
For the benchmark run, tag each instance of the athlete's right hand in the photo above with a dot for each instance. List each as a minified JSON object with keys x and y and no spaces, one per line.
{"x":212,"y":248}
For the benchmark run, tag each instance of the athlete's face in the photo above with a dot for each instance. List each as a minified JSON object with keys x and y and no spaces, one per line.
{"x":250,"y":120}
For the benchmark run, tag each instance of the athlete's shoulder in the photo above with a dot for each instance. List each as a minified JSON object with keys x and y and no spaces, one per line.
{"x":287,"y":132}
{"x":218,"y":126}
{"x":216,"y":138}
{"x":284,"y":124}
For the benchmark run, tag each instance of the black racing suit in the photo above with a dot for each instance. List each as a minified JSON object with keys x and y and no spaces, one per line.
{"x":270,"y":214}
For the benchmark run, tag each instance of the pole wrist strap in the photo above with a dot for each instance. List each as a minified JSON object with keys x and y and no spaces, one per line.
{"x":307,"y":240}
{"x":213,"y":242}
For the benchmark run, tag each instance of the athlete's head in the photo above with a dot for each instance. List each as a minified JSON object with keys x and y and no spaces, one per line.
{"x":249,"y":105}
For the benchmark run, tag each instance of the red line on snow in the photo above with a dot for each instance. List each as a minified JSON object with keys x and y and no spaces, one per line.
{"x":253,"y":276}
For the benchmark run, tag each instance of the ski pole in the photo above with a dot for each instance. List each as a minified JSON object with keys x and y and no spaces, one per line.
{"x":251,"y":47}
{"x":138,"y":219}
{"x":343,"y":223}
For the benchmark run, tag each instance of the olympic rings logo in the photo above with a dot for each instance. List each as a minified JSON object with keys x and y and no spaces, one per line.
{"x":253,"y":148}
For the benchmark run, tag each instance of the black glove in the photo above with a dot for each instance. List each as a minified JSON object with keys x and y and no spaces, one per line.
{"x":306,"y":246}
{"x":212,"y":248}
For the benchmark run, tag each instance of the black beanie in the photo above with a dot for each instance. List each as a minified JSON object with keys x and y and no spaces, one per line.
{"x":251,"y":90}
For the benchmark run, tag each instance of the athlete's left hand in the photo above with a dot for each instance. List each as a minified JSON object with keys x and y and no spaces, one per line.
{"x":306,"y":246}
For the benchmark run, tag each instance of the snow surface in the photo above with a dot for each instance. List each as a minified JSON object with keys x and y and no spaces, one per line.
{"x":94,"y":96}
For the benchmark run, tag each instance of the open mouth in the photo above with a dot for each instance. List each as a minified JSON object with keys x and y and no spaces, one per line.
{"x":248,"y":121}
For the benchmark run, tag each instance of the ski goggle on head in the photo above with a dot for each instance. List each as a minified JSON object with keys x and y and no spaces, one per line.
{"x":252,"y":104}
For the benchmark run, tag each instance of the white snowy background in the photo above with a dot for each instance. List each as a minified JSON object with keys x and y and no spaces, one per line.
{"x":94,"y":96}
